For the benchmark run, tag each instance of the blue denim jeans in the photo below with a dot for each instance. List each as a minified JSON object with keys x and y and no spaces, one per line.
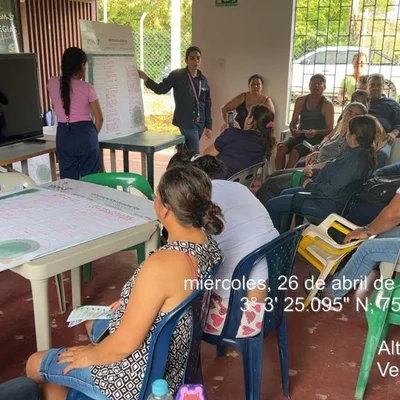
{"x":192,"y":138}
{"x":79,"y":380}
{"x":385,"y":247}
{"x":19,"y":389}
{"x":392,"y":169}
{"x":283,"y":203}
{"x":383,"y":155}
{"x":78,"y":149}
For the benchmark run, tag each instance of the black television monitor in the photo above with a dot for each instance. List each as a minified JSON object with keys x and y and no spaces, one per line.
{"x":20,"y":114}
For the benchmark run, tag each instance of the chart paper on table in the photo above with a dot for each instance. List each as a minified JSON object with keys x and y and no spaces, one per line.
{"x":37,"y":222}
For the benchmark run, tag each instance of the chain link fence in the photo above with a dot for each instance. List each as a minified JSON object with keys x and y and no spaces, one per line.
{"x":328,"y":34}
{"x":157,"y":65}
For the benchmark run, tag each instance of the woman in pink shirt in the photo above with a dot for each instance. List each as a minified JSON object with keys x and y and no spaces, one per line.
{"x":75,"y":101}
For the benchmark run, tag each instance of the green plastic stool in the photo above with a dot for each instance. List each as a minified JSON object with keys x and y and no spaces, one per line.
{"x":126,"y":180}
{"x":296,"y":178}
{"x":383,"y":310}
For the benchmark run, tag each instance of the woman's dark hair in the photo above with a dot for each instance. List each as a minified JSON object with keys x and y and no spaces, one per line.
{"x":186,"y":191}
{"x":255,"y":76}
{"x":207,"y":163}
{"x":363,"y":93}
{"x":365,"y":128}
{"x":263,"y":122}
{"x":190,"y":50}
{"x":71,"y":64}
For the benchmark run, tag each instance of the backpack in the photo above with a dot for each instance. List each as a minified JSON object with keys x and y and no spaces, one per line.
{"x":379,"y":190}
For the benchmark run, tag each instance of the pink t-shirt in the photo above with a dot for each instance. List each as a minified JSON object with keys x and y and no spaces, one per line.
{"x":81,"y":93}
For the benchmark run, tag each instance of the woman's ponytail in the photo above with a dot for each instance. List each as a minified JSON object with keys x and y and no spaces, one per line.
{"x":371,"y":155}
{"x":264,"y":123}
{"x":366,"y":127}
{"x":186,"y":190}
{"x":65,"y":92}
{"x":71,"y":63}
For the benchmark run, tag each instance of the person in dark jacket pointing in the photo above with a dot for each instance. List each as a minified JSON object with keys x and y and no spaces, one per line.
{"x":192,"y":98}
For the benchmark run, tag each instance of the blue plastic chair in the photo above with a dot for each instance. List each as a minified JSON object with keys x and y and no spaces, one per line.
{"x":346,"y":196}
{"x":280,"y":254}
{"x":197,"y":305}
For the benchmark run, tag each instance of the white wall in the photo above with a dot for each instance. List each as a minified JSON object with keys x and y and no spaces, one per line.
{"x":251,"y":38}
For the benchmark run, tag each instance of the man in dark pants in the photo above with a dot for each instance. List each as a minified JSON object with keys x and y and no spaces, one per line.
{"x":21,"y":388}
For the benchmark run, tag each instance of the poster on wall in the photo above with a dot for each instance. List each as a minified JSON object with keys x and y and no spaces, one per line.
{"x":112,"y":69}
{"x":10,"y":33}
{"x":38,"y":167}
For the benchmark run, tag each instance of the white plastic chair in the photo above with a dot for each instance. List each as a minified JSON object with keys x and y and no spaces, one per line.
{"x":265,"y":170}
{"x":246,"y":176}
{"x":10,"y":181}
{"x":394,"y":153}
{"x":389,"y":269}
{"x":14,"y":181}
{"x":284,"y":134}
{"x":324,"y":253}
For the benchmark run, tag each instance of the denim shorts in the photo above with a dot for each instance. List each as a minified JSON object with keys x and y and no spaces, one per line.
{"x":99,"y":330}
{"x":78,"y":380}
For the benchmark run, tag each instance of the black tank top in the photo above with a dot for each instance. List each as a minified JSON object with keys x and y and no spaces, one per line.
{"x":312,"y":119}
{"x":242,"y":112}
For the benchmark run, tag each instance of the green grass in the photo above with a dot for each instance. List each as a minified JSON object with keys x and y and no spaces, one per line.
{"x":161,"y":123}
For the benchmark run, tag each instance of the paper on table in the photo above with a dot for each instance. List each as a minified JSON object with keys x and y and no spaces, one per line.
{"x":36,"y":222}
{"x":105,"y":196}
{"x":88,"y":313}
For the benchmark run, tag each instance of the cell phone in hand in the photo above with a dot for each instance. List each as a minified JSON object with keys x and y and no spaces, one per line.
{"x":308,"y":145}
{"x":230,"y":119}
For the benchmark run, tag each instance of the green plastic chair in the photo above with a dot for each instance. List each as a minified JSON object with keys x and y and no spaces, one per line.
{"x":383,"y":310}
{"x":126,"y":180}
{"x":296,"y":178}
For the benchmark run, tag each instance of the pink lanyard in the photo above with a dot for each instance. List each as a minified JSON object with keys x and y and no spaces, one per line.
{"x":196,"y":95}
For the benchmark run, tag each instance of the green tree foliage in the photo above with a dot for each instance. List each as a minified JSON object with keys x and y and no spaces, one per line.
{"x":156,"y":32}
{"x":322,"y":23}
{"x":128,"y":12}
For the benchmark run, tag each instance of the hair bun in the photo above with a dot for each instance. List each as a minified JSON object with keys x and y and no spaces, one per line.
{"x":212,"y":220}
{"x":200,"y":212}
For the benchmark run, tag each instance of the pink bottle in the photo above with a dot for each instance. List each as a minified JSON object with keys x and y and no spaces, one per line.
{"x":191,"y":392}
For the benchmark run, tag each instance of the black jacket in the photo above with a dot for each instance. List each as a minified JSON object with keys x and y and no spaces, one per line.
{"x":387,"y":111}
{"x":185,"y":101}
{"x":341,"y":176}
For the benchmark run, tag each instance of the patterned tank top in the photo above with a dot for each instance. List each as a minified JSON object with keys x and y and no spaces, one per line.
{"x":123,"y":380}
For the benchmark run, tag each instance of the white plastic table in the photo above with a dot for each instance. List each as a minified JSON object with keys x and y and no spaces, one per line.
{"x":26,"y":150}
{"x":41,"y":269}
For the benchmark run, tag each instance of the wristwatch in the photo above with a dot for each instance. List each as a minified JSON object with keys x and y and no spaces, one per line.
{"x":366,"y":230}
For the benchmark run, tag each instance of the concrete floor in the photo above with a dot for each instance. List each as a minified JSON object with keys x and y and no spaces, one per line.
{"x":325,"y":349}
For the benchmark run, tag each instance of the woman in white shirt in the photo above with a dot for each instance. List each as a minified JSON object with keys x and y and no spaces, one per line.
{"x":248,"y":226}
